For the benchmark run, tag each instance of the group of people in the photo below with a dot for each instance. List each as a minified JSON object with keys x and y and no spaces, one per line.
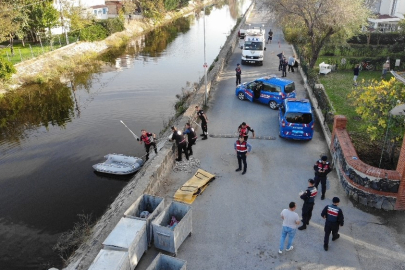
{"x":356,"y":71}
{"x":332,"y":214}
{"x":291,"y":63}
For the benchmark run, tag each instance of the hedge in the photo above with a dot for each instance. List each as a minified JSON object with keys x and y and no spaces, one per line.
{"x":378,"y":39}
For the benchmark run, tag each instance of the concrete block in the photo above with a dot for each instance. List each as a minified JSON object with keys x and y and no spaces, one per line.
{"x":386,"y":205}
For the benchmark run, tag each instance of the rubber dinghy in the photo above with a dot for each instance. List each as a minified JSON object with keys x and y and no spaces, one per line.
{"x":119,"y":164}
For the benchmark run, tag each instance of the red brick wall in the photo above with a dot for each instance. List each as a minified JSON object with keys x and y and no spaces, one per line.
{"x":352,"y":159}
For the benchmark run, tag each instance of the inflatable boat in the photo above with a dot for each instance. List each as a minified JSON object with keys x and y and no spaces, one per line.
{"x":119,"y":164}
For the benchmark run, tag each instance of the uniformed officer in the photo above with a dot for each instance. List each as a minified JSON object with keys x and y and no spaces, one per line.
{"x":238,"y":71}
{"x":204,"y":121}
{"x":244,"y":129}
{"x":322,"y":168}
{"x":309,"y":200}
{"x":334,"y":218}
{"x":242,"y":149}
{"x":181,"y":143}
{"x":148,"y":139}
{"x":192,"y":137}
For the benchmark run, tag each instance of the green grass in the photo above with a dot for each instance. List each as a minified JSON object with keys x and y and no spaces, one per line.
{"x":22,"y":53}
{"x":338,"y":85}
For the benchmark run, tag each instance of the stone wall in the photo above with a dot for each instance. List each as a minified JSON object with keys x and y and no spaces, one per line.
{"x":371,"y":186}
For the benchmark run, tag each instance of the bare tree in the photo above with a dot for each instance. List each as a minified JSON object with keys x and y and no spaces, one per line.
{"x":312,"y":23}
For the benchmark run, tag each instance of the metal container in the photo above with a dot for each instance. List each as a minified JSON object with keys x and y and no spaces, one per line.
{"x":128,"y":235}
{"x":153,"y":204}
{"x":164,"y":262}
{"x":169,"y":239}
{"x":111,"y":260}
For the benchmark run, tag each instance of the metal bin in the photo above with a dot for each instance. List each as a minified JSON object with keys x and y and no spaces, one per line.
{"x":153,"y":204}
{"x":164,"y":262}
{"x":128,"y":235}
{"x":111,"y":260}
{"x":167,"y":239}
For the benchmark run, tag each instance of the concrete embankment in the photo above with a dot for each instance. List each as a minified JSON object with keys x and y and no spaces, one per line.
{"x":152,"y":176}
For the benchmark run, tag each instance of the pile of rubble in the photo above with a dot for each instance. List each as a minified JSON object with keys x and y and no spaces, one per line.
{"x":187,"y":165}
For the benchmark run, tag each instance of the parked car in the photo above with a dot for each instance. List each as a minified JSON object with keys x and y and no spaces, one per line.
{"x":269,"y":90}
{"x":296,"y":119}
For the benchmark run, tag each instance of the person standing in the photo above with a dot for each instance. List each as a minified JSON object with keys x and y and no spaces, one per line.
{"x":281,"y":60}
{"x":290,"y":221}
{"x":322,"y":168}
{"x":334,"y":218}
{"x":309,"y":200}
{"x":284,"y":67}
{"x":386,"y":68}
{"x":192,"y":137}
{"x":270,"y":37}
{"x":291,"y":63}
{"x":242,"y":149}
{"x":148,"y":139}
{"x":181,"y":143}
{"x":244,"y":129}
{"x":356,"y":72}
{"x":238,"y":74}
{"x":204,"y":121}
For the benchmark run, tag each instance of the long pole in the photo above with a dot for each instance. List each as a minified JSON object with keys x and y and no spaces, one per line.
{"x":205,"y":67}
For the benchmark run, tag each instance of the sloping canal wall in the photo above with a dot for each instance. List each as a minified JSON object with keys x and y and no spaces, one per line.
{"x":151,"y":177}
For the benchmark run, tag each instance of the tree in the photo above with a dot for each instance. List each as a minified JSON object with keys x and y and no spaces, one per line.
{"x":312,"y":23}
{"x":8,"y":24}
{"x":373,"y":102}
{"x":153,"y":9}
{"x":75,"y":17}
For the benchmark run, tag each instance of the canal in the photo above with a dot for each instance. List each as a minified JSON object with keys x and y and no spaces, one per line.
{"x":51,"y":134}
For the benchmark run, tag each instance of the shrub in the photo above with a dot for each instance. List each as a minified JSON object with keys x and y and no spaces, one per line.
{"x":6,"y":69}
{"x":93,"y":33}
{"x":113,"y":25}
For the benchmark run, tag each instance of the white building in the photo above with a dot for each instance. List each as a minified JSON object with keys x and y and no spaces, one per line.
{"x":97,"y":8}
{"x":388,"y":14}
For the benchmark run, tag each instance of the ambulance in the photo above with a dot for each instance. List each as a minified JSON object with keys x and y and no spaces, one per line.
{"x":254,"y":46}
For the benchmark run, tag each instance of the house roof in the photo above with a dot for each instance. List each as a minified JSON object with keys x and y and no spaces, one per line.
{"x":98,"y":6}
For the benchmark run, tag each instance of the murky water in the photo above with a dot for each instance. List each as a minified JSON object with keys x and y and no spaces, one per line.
{"x":51,"y":135}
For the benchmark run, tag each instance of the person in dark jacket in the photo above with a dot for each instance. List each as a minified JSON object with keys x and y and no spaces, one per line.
{"x":238,"y":71}
{"x":181,"y":143}
{"x":280,"y":60}
{"x":309,"y":200}
{"x":284,"y":65}
{"x":191,"y":138}
{"x":334,"y":218}
{"x":322,"y":168}
{"x":356,"y":74}
{"x":204,"y":121}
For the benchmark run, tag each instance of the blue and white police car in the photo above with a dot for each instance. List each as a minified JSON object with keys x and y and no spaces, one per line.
{"x":296,"y":119}
{"x":269,"y":90}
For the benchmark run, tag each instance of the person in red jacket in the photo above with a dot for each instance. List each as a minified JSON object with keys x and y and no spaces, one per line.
{"x":322,"y":168}
{"x":244,"y":129}
{"x":148,"y":139}
{"x":242,"y":149}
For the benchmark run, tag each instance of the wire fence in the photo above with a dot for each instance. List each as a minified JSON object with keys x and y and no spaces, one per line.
{"x":21,"y":52}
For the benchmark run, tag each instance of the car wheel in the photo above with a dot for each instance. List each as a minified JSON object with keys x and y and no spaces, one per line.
{"x":273,"y":105}
{"x":242,"y":62}
{"x":241,"y":96}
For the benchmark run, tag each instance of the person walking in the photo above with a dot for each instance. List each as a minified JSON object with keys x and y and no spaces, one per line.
{"x":181,"y":143}
{"x":270,"y":37}
{"x":242,"y":149}
{"x":192,"y":137}
{"x":291,"y":63}
{"x":322,"y":168}
{"x":204,"y":121}
{"x":356,"y":72}
{"x":334,"y":218}
{"x":244,"y":129}
{"x":238,"y":74}
{"x":148,"y":139}
{"x":290,"y":221}
{"x":386,"y":68}
{"x":281,"y":60}
{"x":284,"y":67}
{"x":309,"y":200}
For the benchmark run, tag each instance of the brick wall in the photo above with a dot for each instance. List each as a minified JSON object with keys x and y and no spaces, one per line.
{"x":371,"y":186}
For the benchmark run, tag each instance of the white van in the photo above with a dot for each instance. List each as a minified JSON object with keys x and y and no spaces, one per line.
{"x":254,"y":46}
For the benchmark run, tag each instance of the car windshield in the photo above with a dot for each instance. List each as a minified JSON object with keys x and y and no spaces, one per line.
{"x":289,"y":88}
{"x":298,"y":118}
{"x":253,"y":46}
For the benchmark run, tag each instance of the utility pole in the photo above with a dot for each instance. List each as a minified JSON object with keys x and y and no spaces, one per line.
{"x":205,"y":67}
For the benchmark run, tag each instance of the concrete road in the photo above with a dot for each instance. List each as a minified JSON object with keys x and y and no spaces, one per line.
{"x":236,"y":221}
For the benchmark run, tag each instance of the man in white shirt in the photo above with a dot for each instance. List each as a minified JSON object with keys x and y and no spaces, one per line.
{"x":290,"y":222}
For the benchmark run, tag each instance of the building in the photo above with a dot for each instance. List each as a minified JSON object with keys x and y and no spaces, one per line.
{"x":388,"y":14}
